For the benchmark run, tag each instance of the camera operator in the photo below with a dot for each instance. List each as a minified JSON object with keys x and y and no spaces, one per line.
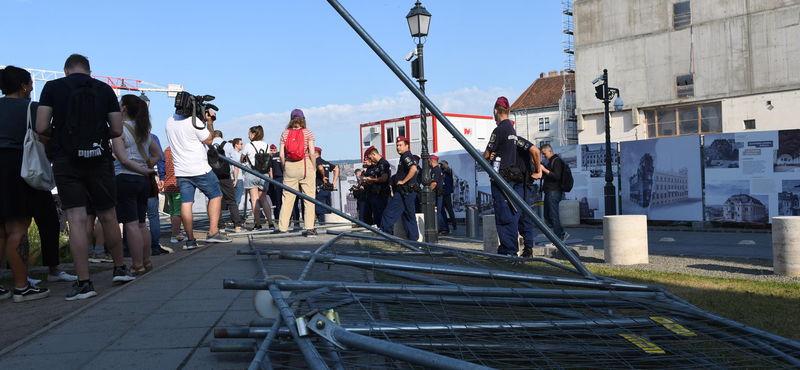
{"x":193,"y":172}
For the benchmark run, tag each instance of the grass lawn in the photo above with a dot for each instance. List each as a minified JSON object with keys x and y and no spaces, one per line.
{"x":769,"y":306}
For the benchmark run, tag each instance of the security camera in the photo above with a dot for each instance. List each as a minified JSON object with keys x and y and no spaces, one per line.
{"x":596,"y":80}
{"x":411,"y":55}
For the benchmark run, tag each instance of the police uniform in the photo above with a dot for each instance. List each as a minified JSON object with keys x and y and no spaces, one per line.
{"x":324,"y":195}
{"x":401,"y":203}
{"x":503,"y":143}
{"x":436,"y":176}
{"x":525,"y":191}
{"x":418,"y":197}
{"x":276,"y":192}
{"x":378,"y":191}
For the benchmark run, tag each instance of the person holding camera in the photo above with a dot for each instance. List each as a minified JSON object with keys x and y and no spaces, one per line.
{"x":256,"y":156}
{"x":299,"y":170}
{"x":193,"y":172}
{"x":325,"y":185}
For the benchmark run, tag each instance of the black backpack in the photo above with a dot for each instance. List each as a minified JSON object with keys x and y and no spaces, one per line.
{"x":85,"y":135}
{"x":220,"y":168}
{"x":567,"y":181}
{"x":262,"y":160}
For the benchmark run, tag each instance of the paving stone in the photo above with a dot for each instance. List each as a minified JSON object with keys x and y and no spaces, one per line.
{"x":238,"y":318}
{"x":243,"y":304}
{"x":144,"y":296}
{"x":112,"y":309}
{"x":139,"y":359}
{"x":98,"y":324}
{"x":176,"y":306}
{"x":203,"y":359}
{"x":179,"y":320}
{"x":156,"y":339}
{"x":208,"y":294}
{"x":63,"y":361}
{"x":68,"y":343}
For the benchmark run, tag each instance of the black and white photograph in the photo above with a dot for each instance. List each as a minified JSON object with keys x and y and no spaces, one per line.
{"x":789,"y":198}
{"x":721,"y":151}
{"x":588,"y":206}
{"x":347,"y":179}
{"x":569,"y":154}
{"x":463,"y":168}
{"x":731,"y":201}
{"x":593,"y":159}
{"x":787,"y":156}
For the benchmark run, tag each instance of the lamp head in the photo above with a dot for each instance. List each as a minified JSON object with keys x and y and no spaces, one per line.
{"x":618,"y":104}
{"x":419,"y":20}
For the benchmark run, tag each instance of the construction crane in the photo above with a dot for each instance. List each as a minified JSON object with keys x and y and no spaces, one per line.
{"x":117,"y":83}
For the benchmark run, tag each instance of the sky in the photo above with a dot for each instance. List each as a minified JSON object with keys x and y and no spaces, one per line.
{"x":261,"y":59}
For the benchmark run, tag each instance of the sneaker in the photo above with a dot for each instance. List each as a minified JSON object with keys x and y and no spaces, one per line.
{"x":565,"y":237}
{"x":218,"y":238}
{"x":271,"y":226}
{"x":177,"y":238}
{"x":257,"y":228}
{"x":311,"y":233}
{"x":33,"y":281}
{"x":122,"y":275}
{"x":81,"y":291}
{"x":4,"y":294}
{"x":238,"y":229}
{"x":63,"y":276}
{"x":162,"y":250}
{"x":191,"y":244}
{"x":527,"y":252}
{"x":30,"y":293}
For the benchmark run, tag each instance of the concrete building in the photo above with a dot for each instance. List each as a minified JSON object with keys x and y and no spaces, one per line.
{"x":687,"y":67}
{"x":538,"y":112}
{"x":744,"y":208}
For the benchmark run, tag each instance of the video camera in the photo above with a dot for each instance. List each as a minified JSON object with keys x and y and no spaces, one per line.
{"x":194,"y":106}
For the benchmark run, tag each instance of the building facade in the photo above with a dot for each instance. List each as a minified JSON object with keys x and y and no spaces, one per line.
{"x":641,"y":183}
{"x":670,"y":186}
{"x":744,"y":208}
{"x":594,"y":161}
{"x":537,"y":113}
{"x":687,"y":67}
{"x":788,"y":204}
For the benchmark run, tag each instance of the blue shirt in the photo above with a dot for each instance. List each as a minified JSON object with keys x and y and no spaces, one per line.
{"x":404,"y":167}
{"x":162,"y":164}
{"x":524,"y":155}
{"x":436,"y":176}
{"x":503,"y":143}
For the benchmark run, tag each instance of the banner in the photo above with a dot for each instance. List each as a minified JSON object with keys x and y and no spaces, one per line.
{"x":588,"y":165}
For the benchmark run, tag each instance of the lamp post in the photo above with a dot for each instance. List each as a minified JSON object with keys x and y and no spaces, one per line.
{"x":145,"y":99}
{"x":605,"y":93}
{"x":419,"y":21}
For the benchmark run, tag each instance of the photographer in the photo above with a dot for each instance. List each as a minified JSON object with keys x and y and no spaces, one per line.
{"x":193,"y":171}
{"x":359,"y":194}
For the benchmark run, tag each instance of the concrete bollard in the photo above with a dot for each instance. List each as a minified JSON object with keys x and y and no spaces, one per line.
{"x":625,"y":239}
{"x":490,"y":238}
{"x":334,"y":218}
{"x":569,"y":212}
{"x":786,"y":245}
{"x":400,"y":232}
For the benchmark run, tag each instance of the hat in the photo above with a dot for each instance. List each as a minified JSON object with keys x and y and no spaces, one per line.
{"x":299,"y":114}
{"x":273,"y":146}
{"x":434,"y":157}
{"x":369,"y":150}
{"x":416,"y":157}
{"x":402,"y":138}
{"x":501,"y":101}
{"x":318,"y":149}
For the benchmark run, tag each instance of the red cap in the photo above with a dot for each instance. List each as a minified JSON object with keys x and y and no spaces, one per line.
{"x":502,"y":101}
{"x":273,"y":146}
{"x":416,"y":157}
{"x":318,"y":149}
{"x":402,"y":138}
{"x":369,"y":150}
{"x":434,"y":157}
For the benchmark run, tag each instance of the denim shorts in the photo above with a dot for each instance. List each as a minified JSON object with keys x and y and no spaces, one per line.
{"x":208,"y":185}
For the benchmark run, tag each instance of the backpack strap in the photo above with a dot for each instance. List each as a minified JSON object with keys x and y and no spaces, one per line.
{"x":142,"y":152}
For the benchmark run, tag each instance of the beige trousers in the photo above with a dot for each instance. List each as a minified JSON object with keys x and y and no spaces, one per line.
{"x":297,"y":177}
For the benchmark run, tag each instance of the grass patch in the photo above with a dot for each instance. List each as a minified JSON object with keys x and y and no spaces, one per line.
{"x":766,"y":305}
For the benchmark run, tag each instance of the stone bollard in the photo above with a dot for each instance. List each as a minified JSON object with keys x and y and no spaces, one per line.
{"x":786,"y":245}
{"x":400,"y":232}
{"x":625,"y":239}
{"x":569,"y":212}
{"x":490,"y":238}
{"x":332,"y":218}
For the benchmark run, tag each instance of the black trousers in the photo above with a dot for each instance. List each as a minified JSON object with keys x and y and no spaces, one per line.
{"x":229,"y":203}
{"x":46,"y":217}
{"x":447,"y":203}
{"x":276,"y":196}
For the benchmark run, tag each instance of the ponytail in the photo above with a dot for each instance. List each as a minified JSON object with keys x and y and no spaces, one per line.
{"x":138,"y":110}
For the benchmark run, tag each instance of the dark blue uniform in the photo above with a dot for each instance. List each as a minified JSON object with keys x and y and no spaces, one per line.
{"x":401,"y":206}
{"x":378,"y":192}
{"x":503,"y":143}
{"x":525,"y":190}
{"x":322,"y":194}
{"x":418,"y":197}
{"x":276,"y":193}
{"x":436,"y":176}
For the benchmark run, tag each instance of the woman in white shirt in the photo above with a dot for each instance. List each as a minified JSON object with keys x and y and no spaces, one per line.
{"x":252,"y":184}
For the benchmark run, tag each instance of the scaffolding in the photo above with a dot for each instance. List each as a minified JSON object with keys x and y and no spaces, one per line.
{"x":569,"y":120}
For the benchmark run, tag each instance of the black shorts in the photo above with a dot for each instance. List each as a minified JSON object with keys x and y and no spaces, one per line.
{"x":85,"y":184}
{"x":132,"y":194}
{"x":17,"y":198}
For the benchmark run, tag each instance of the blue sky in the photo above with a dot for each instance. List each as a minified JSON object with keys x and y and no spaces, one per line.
{"x":261,"y":59}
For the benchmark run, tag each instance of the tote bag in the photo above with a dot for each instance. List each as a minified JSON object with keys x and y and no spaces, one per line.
{"x":36,"y":169}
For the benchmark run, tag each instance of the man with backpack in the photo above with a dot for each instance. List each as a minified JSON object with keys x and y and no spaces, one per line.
{"x":225,"y":173}
{"x":85,"y":116}
{"x":555,"y":175}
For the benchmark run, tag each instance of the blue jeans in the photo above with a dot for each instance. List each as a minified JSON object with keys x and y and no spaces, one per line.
{"x":396,"y":210}
{"x":155,"y":223}
{"x":505,"y":219}
{"x":323,"y":196}
{"x":238,"y":191}
{"x":207,"y":183}
{"x":525,"y":224}
{"x":440,"y":219}
{"x":551,"y":200}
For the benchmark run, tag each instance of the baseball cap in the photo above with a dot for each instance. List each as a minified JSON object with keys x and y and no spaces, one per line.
{"x":402,"y":138}
{"x":501,"y":101}
{"x":318,"y":149}
{"x":434,"y":157}
{"x":369,"y":150}
{"x":273,"y":146}
{"x":297,"y":114}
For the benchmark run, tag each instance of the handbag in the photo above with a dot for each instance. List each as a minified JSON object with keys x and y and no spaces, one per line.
{"x":143,"y":153}
{"x":36,"y":169}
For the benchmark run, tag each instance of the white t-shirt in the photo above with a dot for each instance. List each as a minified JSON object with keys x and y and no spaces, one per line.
{"x":229,"y":151}
{"x":250,"y":152}
{"x":188,"y":152}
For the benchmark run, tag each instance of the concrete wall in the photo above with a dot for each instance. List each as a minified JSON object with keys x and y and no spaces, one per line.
{"x":735,"y":48}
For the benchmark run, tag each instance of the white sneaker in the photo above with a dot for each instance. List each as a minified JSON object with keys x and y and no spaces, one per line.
{"x":177,"y":238}
{"x":63,"y":276}
{"x":33,"y":281}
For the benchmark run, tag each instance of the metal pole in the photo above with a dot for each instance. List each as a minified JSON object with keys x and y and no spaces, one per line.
{"x":427,"y":197}
{"x":515,"y":198}
{"x":609,"y":190}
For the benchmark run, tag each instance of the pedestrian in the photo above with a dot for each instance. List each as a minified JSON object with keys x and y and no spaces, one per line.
{"x":172,"y":198}
{"x":17,"y":198}
{"x":133,"y":151}
{"x":502,"y":152}
{"x":552,"y":174}
{"x":189,"y":157}
{"x":45,"y":215}
{"x":153,"y":217}
{"x":404,"y":188}
{"x":227,"y":184}
{"x":447,"y":199}
{"x":238,"y":176}
{"x":418,"y":195}
{"x":437,"y":187}
{"x":377,"y":176}
{"x":327,"y":177}
{"x":256,"y":156}
{"x":299,"y":170}
{"x":276,"y":173}
{"x":82,"y":163}
{"x":359,"y":194}
{"x":529,"y":160}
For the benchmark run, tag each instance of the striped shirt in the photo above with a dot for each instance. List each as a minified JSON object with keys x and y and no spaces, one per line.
{"x":307,"y":134}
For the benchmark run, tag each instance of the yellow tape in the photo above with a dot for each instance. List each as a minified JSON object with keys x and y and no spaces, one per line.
{"x":643,"y":344}
{"x":673,"y":326}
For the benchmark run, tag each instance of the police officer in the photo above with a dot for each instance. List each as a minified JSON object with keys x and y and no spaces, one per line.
{"x":378,"y":178}
{"x":358,"y":193}
{"x":401,"y":199}
{"x":502,"y":153}
{"x":529,"y":160}
{"x":325,"y":184}
{"x":437,"y":186}
{"x":367,"y":164}
{"x":276,"y":173}
{"x":418,"y":198}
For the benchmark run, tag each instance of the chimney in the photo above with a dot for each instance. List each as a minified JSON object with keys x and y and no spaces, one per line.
{"x":552,"y":74}
{"x":541,"y":75}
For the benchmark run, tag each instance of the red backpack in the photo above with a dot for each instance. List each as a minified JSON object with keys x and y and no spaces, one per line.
{"x":295,"y":145}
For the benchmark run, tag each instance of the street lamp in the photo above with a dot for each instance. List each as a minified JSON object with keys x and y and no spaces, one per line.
{"x":605,"y":93}
{"x":145,"y":99}
{"x":419,"y":21}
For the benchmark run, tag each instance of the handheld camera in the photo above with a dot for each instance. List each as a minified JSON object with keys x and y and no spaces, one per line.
{"x":194,"y":106}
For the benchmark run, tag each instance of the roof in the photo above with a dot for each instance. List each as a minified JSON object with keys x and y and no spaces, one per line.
{"x":744,"y":199}
{"x":544,"y":92}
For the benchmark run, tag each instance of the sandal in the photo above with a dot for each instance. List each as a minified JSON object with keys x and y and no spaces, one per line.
{"x":148,"y":266}
{"x":137,"y":270}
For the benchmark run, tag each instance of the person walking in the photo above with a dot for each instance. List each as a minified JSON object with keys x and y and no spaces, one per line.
{"x":299,"y":170}
{"x":552,"y":174}
{"x":447,"y":200}
{"x":253,"y":154}
{"x":238,"y":175}
{"x":172,"y":198}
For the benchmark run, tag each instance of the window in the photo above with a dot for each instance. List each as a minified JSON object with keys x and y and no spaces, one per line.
{"x":678,"y":121}
{"x":684,"y":86}
{"x":401,"y":130}
{"x":681,"y":15}
{"x":544,"y":124}
{"x":389,"y":135}
{"x":749,"y":124}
